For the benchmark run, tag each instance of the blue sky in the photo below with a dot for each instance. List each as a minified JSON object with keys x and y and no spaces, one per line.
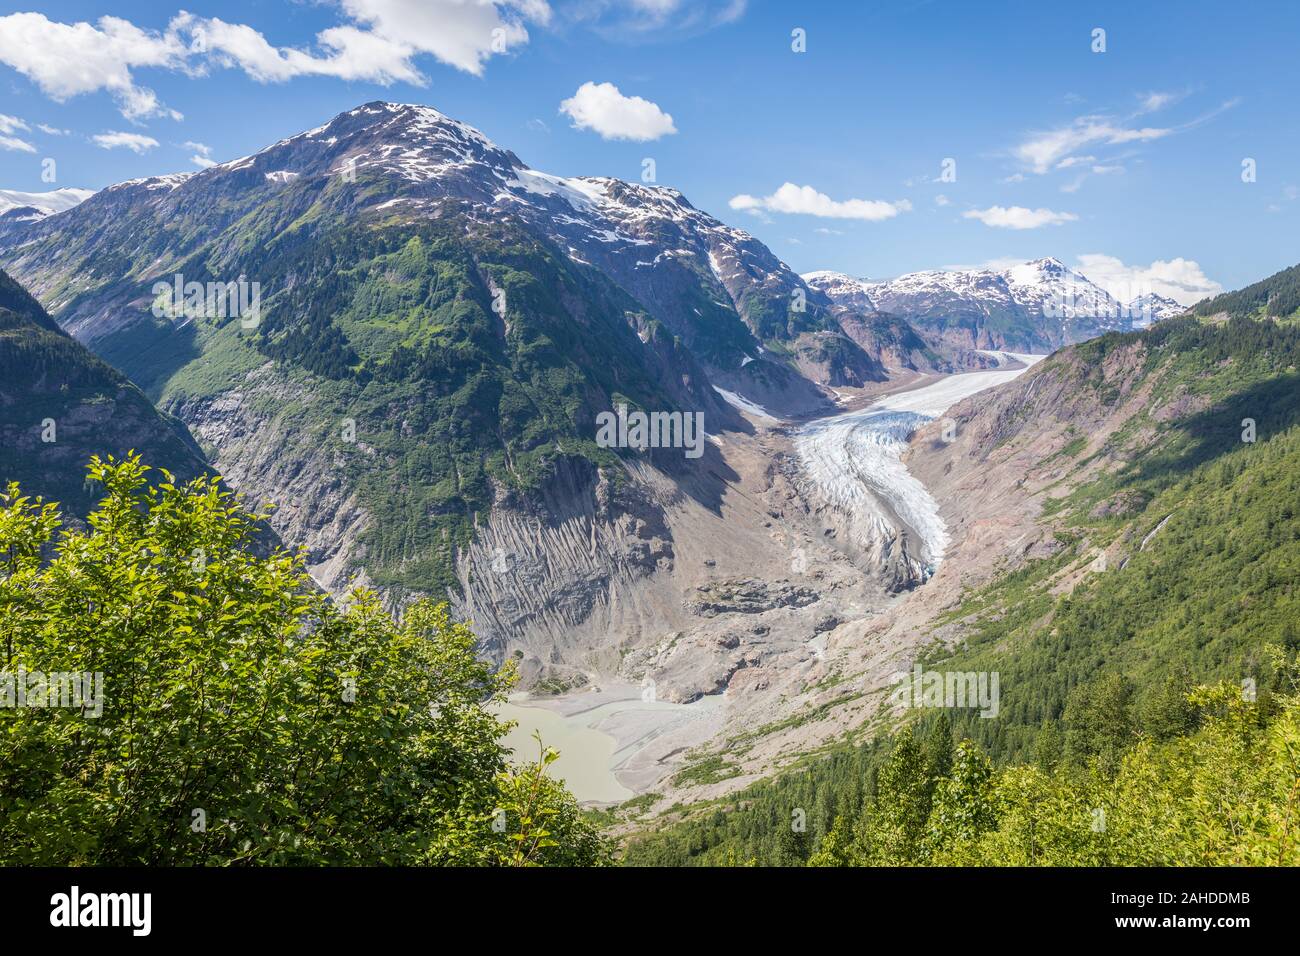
{"x":1127,"y":162}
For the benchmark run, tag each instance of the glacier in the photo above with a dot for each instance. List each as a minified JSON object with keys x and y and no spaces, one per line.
{"x":855,"y":460}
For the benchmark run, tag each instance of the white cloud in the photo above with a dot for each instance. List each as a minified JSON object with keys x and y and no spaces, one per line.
{"x":1018,"y":217}
{"x":805,"y":200}
{"x":1107,"y":169}
{"x":377,"y":44}
{"x":601,"y":107}
{"x":1044,"y":150}
{"x":1075,"y":161}
{"x":135,"y":142}
{"x":1179,"y":279}
{"x":460,"y":34}
{"x":941,"y":200}
{"x":350,"y":54}
{"x":380,"y":41}
{"x":1155,"y":100}
{"x":67,"y":60}
{"x":52,"y":130}
{"x":12,"y":124}
{"x":202,"y":157}
{"x":639,"y":18}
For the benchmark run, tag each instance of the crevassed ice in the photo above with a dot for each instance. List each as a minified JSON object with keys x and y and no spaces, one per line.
{"x":856,"y":462}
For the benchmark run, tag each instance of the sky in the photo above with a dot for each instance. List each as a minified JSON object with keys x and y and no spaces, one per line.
{"x":1152,"y":143}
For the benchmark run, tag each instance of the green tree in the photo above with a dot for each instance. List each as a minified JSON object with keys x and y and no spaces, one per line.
{"x":837,"y":846}
{"x":245,"y":717}
{"x":1099,"y":721}
{"x":1168,"y":711}
{"x":902,"y":807}
{"x":938,"y":747}
{"x":793,"y":843}
{"x":1049,"y":745}
{"x":963,"y":806}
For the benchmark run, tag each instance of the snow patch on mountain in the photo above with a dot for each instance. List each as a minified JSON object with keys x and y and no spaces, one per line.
{"x":1153,"y":307}
{"x":745,"y":405}
{"x":843,"y":289}
{"x":17,"y":206}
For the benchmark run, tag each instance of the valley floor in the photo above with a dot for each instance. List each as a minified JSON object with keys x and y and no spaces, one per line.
{"x":617,"y":739}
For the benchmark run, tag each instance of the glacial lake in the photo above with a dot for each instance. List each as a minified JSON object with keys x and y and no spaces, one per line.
{"x":586,"y":755}
{"x":606,"y":735}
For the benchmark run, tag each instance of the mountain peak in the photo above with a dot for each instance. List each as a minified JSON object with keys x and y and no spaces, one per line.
{"x":843,"y":289}
{"x":416,"y":142}
{"x":16,"y":206}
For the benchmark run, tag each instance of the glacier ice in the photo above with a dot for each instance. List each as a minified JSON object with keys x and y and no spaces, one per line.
{"x":855,"y":461}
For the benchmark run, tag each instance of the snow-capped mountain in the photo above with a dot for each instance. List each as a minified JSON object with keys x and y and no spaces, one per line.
{"x":845,"y":290}
{"x":1036,"y":306}
{"x":717,"y":288}
{"x":16,"y":206}
{"x":1050,"y":288}
{"x":695,"y":273}
{"x":1153,"y":307}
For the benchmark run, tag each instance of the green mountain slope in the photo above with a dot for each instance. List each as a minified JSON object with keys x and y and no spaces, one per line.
{"x":60,"y":404}
{"x":385,"y":333}
{"x":1176,"y":564}
{"x":1277,"y":296}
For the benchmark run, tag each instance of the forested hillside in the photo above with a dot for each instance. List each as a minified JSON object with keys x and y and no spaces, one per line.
{"x":1277,"y":296}
{"x":1158,"y":686}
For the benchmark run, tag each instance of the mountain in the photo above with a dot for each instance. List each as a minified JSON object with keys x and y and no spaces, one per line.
{"x":888,"y":338}
{"x":60,"y":404}
{"x":729,"y":300}
{"x":1277,"y":296}
{"x":1153,"y":307}
{"x":16,"y":207}
{"x":1037,"y":306}
{"x":844,"y":290}
{"x":1122,"y":527}
{"x":416,"y":377}
{"x":1101,"y":511}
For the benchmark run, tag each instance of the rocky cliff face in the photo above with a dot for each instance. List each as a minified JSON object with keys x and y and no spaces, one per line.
{"x":254,"y":436}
